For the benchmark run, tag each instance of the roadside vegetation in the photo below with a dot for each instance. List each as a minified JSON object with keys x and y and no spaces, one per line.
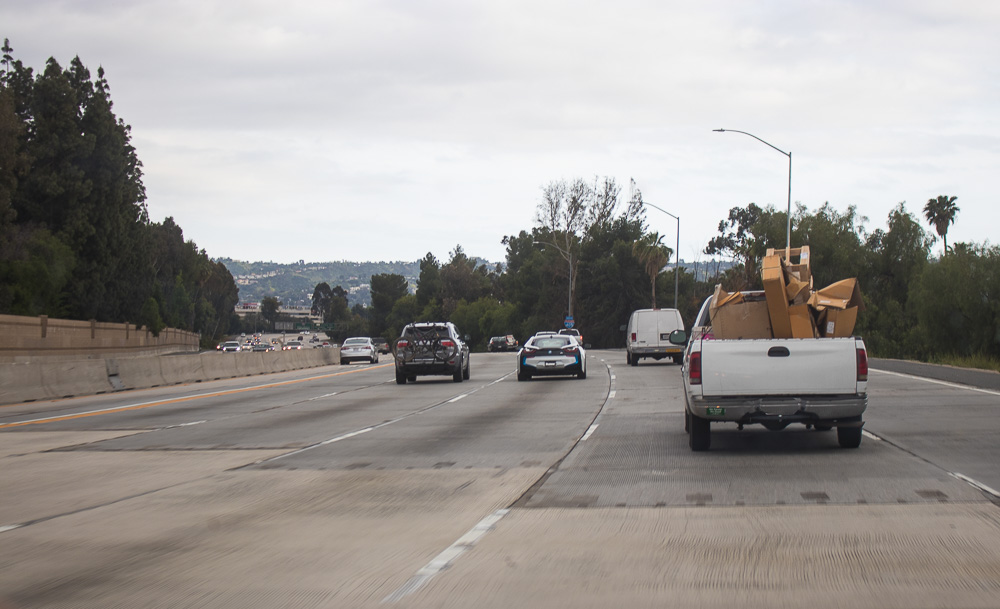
{"x":76,"y":242}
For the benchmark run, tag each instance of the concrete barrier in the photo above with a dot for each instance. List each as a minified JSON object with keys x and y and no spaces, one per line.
{"x":41,"y":379}
{"x":29,"y":382}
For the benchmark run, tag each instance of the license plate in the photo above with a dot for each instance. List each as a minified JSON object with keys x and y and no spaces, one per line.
{"x":715,"y":411}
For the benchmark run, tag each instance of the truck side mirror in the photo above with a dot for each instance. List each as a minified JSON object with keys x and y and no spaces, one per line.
{"x":678,"y":337}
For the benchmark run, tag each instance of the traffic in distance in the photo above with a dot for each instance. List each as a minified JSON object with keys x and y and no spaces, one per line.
{"x":729,"y":376}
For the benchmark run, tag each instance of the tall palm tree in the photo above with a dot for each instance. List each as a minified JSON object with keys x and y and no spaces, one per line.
{"x":940,"y":212}
{"x":651,"y":252}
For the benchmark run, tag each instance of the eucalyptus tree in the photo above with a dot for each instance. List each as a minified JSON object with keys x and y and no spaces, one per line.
{"x":269,"y":308}
{"x":654,"y":255}
{"x":386,"y":289}
{"x":940,"y":213}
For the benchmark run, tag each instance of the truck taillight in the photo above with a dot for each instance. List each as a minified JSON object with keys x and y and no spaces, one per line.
{"x":862,"y":365}
{"x":694,"y":368}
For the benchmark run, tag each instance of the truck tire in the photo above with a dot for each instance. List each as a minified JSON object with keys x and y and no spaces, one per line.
{"x":849,"y":437}
{"x":700,"y":434}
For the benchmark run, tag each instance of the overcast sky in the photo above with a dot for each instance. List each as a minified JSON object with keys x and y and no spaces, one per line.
{"x":384,"y":130}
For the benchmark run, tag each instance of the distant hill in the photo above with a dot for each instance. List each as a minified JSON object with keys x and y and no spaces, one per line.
{"x":293,"y":284}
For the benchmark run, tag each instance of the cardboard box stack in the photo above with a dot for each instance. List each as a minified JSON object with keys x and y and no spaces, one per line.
{"x":790,"y":307}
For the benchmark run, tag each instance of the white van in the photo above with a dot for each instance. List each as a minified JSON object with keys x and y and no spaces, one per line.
{"x":649,"y":335}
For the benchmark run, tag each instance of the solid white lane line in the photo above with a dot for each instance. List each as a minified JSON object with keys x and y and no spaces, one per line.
{"x":937,"y":382}
{"x":457,"y":398}
{"x":871,"y":436}
{"x":9,"y":527}
{"x":446,"y":558}
{"x":976,"y":484}
{"x":590,"y":432}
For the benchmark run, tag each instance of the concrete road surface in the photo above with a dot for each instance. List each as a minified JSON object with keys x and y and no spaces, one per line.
{"x":336,"y":487}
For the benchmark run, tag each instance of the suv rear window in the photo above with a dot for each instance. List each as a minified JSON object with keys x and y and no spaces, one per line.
{"x":426,"y":332}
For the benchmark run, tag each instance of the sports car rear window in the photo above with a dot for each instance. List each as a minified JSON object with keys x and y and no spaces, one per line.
{"x":551,"y":342}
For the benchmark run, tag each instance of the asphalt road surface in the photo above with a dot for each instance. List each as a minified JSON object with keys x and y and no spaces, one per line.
{"x":335,"y":487}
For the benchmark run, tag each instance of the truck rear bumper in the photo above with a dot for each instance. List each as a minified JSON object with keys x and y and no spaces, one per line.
{"x":841,"y":411}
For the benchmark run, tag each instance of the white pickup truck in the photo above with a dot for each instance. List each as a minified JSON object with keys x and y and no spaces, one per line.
{"x":818,"y":382}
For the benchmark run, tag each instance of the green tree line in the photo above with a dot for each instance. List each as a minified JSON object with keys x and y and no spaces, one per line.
{"x":76,"y":240}
{"x":590,"y":251}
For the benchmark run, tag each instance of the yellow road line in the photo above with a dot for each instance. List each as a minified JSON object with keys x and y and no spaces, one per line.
{"x":94,"y":413}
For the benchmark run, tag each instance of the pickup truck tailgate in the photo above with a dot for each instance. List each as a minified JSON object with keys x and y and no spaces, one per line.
{"x":779,"y":367}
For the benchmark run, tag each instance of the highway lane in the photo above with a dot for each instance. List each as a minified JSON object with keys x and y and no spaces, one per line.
{"x":337,"y":487}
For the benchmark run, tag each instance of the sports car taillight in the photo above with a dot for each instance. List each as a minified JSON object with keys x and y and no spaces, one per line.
{"x":570,"y":349}
{"x":529,"y":350}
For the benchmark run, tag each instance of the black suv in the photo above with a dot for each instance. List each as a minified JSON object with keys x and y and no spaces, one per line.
{"x":431,"y":349}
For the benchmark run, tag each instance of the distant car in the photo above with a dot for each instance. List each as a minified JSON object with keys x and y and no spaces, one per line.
{"x":292,"y":345}
{"x":257,"y":347}
{"x":502,"y":343}
{"x":358,"y":348}
{"x":572,"y":332}
{"x":382,"y":345}
{"x":231,"y":346}
{"x":431,"y":348}
{"x":551,"y":354}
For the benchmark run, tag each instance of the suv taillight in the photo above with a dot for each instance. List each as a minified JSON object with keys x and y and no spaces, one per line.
{"x":694,"y":368}
{"x":402,"y":344}
{"x":447,"y":343}
{"x":862,"y":365}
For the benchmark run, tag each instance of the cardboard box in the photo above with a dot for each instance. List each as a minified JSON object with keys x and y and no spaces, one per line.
{"x":734,"y":316}
{"x":797,"y":263}
{"x":837,"y":306}
{"x":838,"y":323}
{"x":798,"y":292}
{"x":777,"y":299}
{"x":839,"y":295}
{"x":802,"y":321}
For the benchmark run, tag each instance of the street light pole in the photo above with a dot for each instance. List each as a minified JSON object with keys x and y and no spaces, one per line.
{"x":569,"y":257}
{"x":788,"y":230}
{"x":677,"y":265}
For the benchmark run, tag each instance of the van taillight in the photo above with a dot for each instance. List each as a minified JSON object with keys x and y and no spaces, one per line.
{"x":633,"y":337}
{"x":862,"y":365}
{"x":694,"y":368}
